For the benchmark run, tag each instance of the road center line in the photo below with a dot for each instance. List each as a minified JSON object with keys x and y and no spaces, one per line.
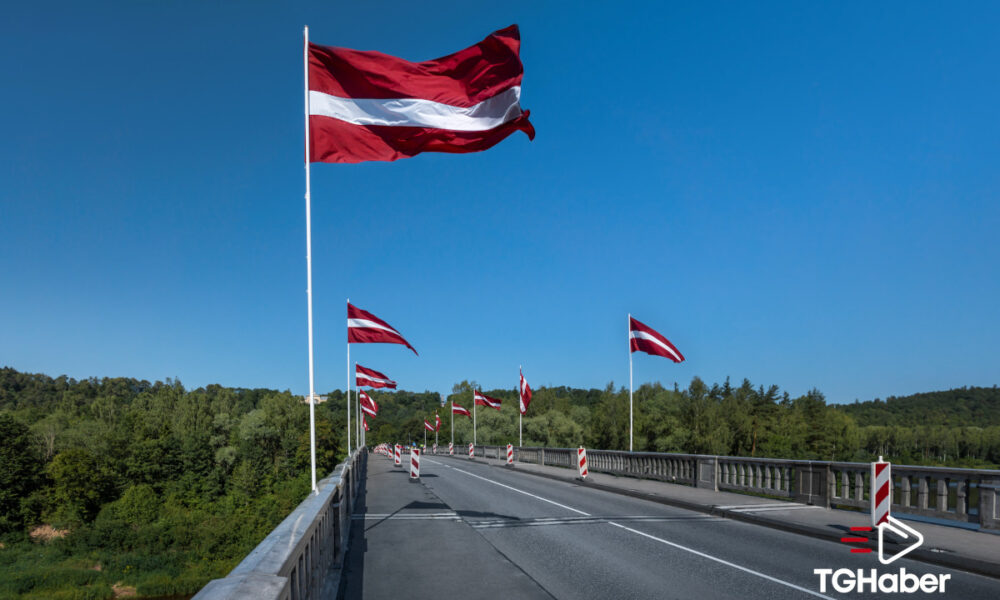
{"x":652,"y":537}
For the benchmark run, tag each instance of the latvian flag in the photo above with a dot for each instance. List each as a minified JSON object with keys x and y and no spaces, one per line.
{"x":437,"y":422}
{"x":365,"y":377}
{"x":428,"y":426}
{"x":367,"y":105}
{"x":365,"y":328}
{"x":364,"y":422}
{"x":458,"y":410}
{"x":367,"y":404}
{"x":644,"y":338}
{"x":484,"y":400}
{"x":524,"y":393}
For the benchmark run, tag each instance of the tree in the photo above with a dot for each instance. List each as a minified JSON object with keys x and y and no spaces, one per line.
{"x":19,"y":469}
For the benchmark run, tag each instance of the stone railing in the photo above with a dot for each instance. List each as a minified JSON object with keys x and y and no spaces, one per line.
{"x":302,"y":558}
{"x":961,"y":495}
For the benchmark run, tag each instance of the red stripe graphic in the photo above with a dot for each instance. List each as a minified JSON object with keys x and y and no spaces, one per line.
{"x":865,"y":528}
{"x":851,"y":540}
{"x":861,"y":550}
{"x":464,"y":78}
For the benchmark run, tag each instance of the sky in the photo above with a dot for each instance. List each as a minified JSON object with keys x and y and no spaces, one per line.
{"x":802,"y":194}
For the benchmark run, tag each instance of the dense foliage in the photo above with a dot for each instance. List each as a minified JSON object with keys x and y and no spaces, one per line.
{"x":955,"y":428}
{"x":144,"y":485}
{"x":152,"y":486}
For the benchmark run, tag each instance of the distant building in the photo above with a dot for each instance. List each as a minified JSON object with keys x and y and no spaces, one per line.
{"x":318,"y":399}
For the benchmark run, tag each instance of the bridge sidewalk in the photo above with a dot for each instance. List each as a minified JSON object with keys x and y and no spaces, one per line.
{"x":396,"y":520}
{"x":955,"y":547}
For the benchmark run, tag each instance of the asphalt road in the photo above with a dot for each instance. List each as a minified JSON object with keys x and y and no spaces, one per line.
{"x":473,"y":531}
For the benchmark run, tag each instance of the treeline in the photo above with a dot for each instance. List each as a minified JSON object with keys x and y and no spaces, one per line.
{"x":956,"y":428}
{"x":144,"y":484}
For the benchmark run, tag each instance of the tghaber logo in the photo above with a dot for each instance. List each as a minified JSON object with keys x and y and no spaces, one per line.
{"x":846,"y":580}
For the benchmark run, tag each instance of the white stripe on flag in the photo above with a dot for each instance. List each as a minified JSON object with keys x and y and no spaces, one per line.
{"x":645,"y":336}
{"x":366,"y":324}
{"x":375,"y":379}
{"x":417,"y":112}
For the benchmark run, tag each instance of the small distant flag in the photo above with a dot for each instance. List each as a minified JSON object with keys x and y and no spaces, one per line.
{"x":437,"y":422}
{"x":484,"y":400}
{"x":367,"y":404}
{"x":365,"y":377}
{"x":364,"y":422}
{"x":524,"y":393}
{"x":458,"y":410}
{"x":645,"y":338}
{"x":428,"y":426}
{"x":365,"y":328}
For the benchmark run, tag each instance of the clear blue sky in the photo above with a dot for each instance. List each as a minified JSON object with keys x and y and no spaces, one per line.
{"x":803,"y":194}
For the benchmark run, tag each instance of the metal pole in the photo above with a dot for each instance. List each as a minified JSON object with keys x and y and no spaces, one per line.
{"x":473,"y":417}
{"x":309,"y":301}
{"x":520,"y":437}
{"x":452,"y":423}
{"x":630,"y":382}
{"x":349,"y":423}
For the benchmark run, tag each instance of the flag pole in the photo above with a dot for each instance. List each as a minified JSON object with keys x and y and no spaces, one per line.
{"x":473,"y":417}
{"x":520,"y":400}
{"x":348,"y":391}
{"x":629,"y":382}
{"x":357,"y":411}
{"x":453,"y":423}
{"x":309,"y":298}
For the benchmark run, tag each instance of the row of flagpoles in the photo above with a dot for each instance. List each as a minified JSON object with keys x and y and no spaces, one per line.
{"x":362,"y":106}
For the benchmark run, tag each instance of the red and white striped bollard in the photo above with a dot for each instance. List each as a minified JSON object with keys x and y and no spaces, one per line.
{"x":881,"y":494}
{"x":451,"y":449}
{"x":510,"y":454}
{"x":472,"y":451}
{"x":581,"y":461}
{"x":415,"y":463}
{"x":398,"y":460}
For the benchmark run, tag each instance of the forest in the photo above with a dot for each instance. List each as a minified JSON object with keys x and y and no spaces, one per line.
{"x":120,"y":486}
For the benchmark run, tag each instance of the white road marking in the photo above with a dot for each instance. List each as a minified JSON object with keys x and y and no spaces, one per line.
{"x":721,"y":561}
{"x":759,"y":505}
{"x":654,"y":538}
{"x":770,"y":508}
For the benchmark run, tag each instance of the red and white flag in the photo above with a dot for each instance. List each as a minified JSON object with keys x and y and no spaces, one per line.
{"x":437,"y":422}
{"x":428,"y":426}
{"x":458,"y":410}
{"x":365,"y":377}
{"x":367,"y":404}
{"x":364,"y":422}
{"x":365,"y":328}
{"x":365,"y":105}
{"x":484,"y":400}
{"x":524,"y":394}
{"x":644,"y":338}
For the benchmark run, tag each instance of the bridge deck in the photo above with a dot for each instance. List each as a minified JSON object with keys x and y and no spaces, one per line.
{"x":468,"y":529}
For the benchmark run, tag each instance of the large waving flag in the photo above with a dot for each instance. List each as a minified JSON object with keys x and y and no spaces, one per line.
{"x":458,"y":410}
{"x":437,"y":422}
{"x":428,"y":426}
{"x":367,"y":404}
{"x":524,"y":393}
{"x":645,"y":338}
{"x":367,"y":105}
{"x":365,"y":328}
{"x":484,"y":400}
{"x":365,"y":377}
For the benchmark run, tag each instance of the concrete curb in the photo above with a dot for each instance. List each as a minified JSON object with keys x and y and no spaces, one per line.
{"x":953,"y":561}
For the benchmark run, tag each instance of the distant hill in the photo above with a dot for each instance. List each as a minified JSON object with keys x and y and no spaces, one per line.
{"x":960,"y":407}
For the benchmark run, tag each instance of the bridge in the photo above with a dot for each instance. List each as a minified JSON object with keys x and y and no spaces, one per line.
{"x":641,"y":525}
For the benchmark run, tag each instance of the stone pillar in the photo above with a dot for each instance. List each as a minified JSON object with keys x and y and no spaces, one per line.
{"x":989,"y":503}
{"x":706,"y":473}
{"x":811,"y":483}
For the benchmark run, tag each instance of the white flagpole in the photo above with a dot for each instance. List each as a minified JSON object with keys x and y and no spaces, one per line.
{"x":357,"y":398}
{"x":348,"y":388}
{"x":629,"y":382}
{"x":473,"y":417}
{"x":520,"y":436}
{"x":309,"y":298}
{"x":453,"y":424}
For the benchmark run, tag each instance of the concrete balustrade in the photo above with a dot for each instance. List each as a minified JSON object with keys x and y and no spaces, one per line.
{"x":301,"y":558}
{"x":963,"y":495}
